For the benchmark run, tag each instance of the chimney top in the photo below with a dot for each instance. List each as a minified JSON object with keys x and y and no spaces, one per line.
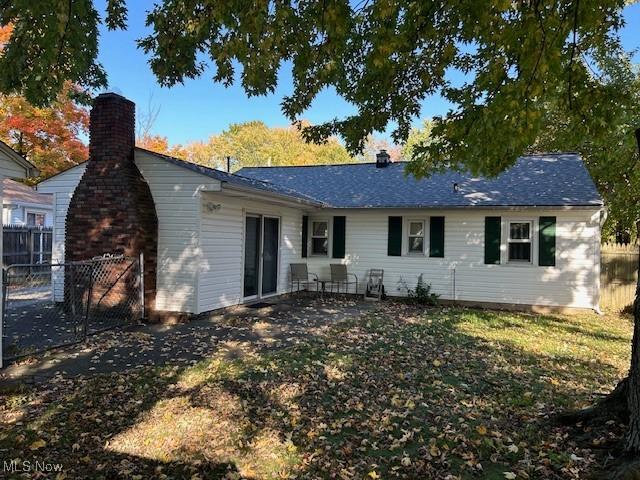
{"x":112,"y":96}
{"x":112,"y":126}
{"x":383,"y":159}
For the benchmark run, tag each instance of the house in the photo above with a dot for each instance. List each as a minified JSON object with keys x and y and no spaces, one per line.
{"x":12,"y":165}
{"x":211,"y":239}
{"x":23,"y":206}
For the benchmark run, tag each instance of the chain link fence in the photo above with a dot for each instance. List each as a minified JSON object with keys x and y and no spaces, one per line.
{"x":60,"y":304}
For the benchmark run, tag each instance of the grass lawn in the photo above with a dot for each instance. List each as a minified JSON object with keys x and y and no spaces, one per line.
{"x":398,"y":393}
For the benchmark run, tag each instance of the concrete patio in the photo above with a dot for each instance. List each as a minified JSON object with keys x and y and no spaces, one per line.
{"x":284,"y":322}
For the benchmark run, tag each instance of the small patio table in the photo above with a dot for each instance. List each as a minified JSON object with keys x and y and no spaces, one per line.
{"x":323,"y":285}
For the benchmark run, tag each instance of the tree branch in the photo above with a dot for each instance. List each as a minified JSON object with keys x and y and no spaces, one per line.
{"x":573,"y":52}
{"x":64,"y":33}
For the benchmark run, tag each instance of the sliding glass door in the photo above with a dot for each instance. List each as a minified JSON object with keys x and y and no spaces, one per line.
{"x":261,"y":255}
{"x":270,"y":255}
{"x":252,"y":246}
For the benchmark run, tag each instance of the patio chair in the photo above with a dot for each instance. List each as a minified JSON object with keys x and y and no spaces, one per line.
{"x":300,"y":276}
{"x":375,"y":287}
{"x":340,"y":277}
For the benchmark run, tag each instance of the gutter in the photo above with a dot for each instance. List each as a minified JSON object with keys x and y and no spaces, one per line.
{"x":469,"y":207}
{"x":298,"y":200}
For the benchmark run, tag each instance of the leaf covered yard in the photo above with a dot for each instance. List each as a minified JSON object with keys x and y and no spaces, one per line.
{"x":398,"y":392}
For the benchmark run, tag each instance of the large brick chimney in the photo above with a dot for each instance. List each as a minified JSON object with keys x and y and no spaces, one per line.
{"x":112,"y":210}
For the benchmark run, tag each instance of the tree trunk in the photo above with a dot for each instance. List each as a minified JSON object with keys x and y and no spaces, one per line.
{"x":632,"y":445}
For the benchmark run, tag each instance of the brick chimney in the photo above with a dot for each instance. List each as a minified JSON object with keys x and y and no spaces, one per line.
{"x":383,"y":159}
{"x":112,"y":210}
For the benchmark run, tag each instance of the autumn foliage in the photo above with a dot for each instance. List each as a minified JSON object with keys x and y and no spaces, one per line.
{"x":5,"y":35}
{"x":252,"y":144}
{"x":49,"y":137}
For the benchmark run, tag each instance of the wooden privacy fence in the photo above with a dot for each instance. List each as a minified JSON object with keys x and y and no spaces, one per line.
{"x":26,"y":245}
{"x":618,"y":276}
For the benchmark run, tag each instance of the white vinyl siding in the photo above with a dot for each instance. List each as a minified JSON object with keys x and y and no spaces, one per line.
{"x":200,"y":246}
{"x":462,"y":274}
{"x":222,"y":240}
{"x":176,"y":192}
{"x":9,"y":168}
{"x":62,"y":187}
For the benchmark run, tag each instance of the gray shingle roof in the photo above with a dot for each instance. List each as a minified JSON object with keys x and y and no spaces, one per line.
{"x":16,"y":192}
{"x":238,"y":180}
{"x":534,"y":180}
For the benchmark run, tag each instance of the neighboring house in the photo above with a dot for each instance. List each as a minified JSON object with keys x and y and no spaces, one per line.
{"x":530,"y":237}
{"x":12,"y":165}
{"x":23,"y":206}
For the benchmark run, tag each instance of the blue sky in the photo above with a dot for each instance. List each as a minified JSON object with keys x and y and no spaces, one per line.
{"x":200,"y":108}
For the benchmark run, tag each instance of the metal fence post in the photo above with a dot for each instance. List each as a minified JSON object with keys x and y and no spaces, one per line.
{"x":4,"y":309}
{"x":30,"y":249}
{"x":141,"y":270}
{"x":89,"y":297}
{"x":72,"y":293}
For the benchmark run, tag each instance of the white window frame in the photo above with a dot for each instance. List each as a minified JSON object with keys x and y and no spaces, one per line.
{"x":35,"y":213}
{"x":408,"y":236}
{"x":312,"y":236}
{"x":261,"y":216}
{"x":530,"y":241}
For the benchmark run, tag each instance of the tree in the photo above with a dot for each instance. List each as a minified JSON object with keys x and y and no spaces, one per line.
{"x":374,"y":144}
{"x":602,"y":137}
{"x":145,"y":138}
{"x":255,"y":144}
{"x":632,"y":444}
{"x":49,"y":137}
{"x":155,"y":143}
{"x":420,"y":136}
{"x":605,"y":139}
{"x":384,"y":57}
{"x":249,"y":144}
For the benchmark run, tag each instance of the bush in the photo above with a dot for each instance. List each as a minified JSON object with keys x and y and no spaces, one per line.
{"x":422,"y":295}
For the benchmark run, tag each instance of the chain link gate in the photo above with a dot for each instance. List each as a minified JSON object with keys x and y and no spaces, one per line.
{"x":51,"y":305}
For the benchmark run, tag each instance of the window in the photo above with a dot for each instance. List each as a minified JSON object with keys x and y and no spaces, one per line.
{"x":35,"y":219}
{"x":320,"y":238}
{"x":519,"y":247}
{"x":416,"y":237}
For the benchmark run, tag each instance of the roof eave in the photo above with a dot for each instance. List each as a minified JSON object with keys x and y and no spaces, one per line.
{"x":30,"y":168}
{"x":297,"y":200}
{"x":467,"y":207}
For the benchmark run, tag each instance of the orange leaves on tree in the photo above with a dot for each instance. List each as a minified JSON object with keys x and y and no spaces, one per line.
{"x":50,"y":137}
{"x":5,"y":35}
{"x":155,"y":143}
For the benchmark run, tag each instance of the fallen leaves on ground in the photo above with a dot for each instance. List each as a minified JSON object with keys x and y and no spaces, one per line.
{"x":399,"y":392}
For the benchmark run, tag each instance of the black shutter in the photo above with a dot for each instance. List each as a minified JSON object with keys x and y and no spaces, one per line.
{"x":394,"y":242}
{"x":492,"y":239}
{"x":339,"y":234}
{"x":305,"y":235}
{"x":547,"y":242}
{"x":436,"y":237}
